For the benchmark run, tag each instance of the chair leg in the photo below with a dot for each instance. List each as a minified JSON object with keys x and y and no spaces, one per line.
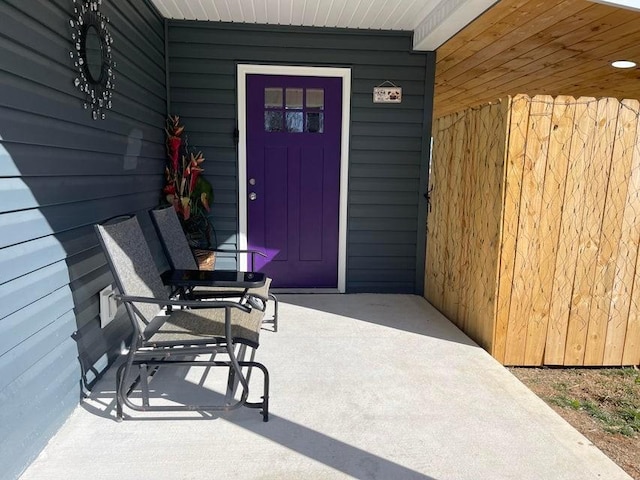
{"x":144,"y":380}
{"x":264,"y":404}
{"x":275,"y":311}
{"x":232,"y":380}
{"x":119,"y":400}
{"x":265,"y":397}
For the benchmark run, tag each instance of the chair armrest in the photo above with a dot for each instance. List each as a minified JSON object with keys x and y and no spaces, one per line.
{"x":253,"y":253}
{"x":229,"y":250}
{"x":183,"y":303}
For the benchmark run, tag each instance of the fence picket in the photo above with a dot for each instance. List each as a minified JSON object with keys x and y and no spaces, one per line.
{"x":570,"y":229}
{"x":514,"y":165}
{"x":550,"y":222}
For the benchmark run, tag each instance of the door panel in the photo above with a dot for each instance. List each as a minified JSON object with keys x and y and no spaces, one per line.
{"x":293,"y":175}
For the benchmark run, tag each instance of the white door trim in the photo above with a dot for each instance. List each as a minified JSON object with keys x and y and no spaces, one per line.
{"x":345,"y":74}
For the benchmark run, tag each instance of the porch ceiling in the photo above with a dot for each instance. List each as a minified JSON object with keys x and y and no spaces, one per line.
{"x":432,"y":21}
{"x":539,"y":47}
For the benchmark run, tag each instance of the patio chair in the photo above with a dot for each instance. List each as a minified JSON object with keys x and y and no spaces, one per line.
{"x":179,"y":335}
{"x":181,"y":257}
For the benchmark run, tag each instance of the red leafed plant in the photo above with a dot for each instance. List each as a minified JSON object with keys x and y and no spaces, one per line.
{"x":189,"y":193}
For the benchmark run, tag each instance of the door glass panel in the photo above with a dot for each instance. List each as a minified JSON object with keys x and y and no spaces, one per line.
{"x":315,"y":122}
{"x":315,"y":98}
{"x":272,"y":121}
{"x":294,"y":122}
{"x":273,"y":98}
{"x":294,"y":98}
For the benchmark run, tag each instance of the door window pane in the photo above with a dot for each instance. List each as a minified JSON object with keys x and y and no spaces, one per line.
{"x":315,"y":122}
{"x":294,"y":122}
{"x":294,"y":98}
{"x":315,"y":98}
{"x":273,"y":98}
{"x":272,"y":121}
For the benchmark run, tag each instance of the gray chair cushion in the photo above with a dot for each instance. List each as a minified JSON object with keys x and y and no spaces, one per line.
{"x":182,"y":326}
{"x":132,"y":265}
{"x":173,"y":239}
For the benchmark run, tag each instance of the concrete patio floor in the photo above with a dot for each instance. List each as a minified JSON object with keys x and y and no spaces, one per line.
{"x":362,"y":386}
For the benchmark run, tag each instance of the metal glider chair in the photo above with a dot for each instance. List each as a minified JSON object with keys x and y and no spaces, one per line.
{"x":179,"y":335}
{"x":181,"y":257}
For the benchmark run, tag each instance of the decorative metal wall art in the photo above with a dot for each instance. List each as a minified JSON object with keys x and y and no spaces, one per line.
{"x":92,"y":56}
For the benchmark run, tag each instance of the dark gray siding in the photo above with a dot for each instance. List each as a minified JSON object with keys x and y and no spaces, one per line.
{"x":61,"y":172}
{"x":389,"y":146}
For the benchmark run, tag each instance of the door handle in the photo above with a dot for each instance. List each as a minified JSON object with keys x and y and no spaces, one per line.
{"x":253,"y":196}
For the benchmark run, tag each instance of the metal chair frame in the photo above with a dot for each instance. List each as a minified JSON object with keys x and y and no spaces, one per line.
{"x":178,"y":253}
{"x":146,"y":355}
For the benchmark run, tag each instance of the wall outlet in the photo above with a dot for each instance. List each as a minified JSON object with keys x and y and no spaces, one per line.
{"x":108,"y":305}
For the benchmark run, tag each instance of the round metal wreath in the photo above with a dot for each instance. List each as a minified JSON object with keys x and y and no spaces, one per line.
{"x":92,"y":56}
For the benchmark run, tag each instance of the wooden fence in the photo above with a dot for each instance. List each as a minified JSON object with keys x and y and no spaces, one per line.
{"x":534,"y":229}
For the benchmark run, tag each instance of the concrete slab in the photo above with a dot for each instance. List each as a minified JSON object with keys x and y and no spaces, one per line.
{"x":363,"y":386}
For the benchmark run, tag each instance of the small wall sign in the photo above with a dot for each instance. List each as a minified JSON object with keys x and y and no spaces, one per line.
{"x":387,"y":94}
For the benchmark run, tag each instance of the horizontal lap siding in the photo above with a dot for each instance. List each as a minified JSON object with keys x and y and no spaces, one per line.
{"x":387,"y":142}
{"x":61,"y":172}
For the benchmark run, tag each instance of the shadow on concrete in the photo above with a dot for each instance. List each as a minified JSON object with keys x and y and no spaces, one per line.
{"x":385,"y":310}
{"x":348,"y":459}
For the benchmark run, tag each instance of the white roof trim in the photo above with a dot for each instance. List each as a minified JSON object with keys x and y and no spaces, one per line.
{"x":432,"y":21}
{"x":447,"y":19}
{"x":629,"y":4}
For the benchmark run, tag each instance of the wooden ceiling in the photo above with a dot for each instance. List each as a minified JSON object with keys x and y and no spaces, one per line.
{"x":539,"y":47}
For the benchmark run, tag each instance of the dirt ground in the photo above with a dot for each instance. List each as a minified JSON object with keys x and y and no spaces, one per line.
{"x":601,"y":403}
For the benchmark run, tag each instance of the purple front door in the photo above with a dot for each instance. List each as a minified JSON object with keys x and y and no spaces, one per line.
{"x":293,"y":177}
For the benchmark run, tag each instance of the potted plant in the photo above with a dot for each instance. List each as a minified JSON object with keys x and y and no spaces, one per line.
{"x":185,"y":188}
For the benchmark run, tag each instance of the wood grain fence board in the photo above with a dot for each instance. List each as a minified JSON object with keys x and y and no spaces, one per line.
{"x":570,"y":230}
{"x":475,"y":215}
{"x":631,"y":351}
{"x":626,"y":163}
{"x":611,"y":178}
{"x":527,"y":247}
{"x":438,"y":224}
{"x":481,"y":223}
{"x":452,"y":289}
{"x":467,"y":265}
{"x":514,"y":167}
{"x":588,"y":245}
{"x":561,"y":129}
{"x":458,"y":237}
{"x":495,"y":167}
{"x":456,"y":165}
{"x":466,"y":239}
{"x":478,"y":218}
{"x":442,"y":225}
{"x":436,"y":218}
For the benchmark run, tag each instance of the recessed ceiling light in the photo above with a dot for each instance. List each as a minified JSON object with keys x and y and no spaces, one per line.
{"x":623,"y":64}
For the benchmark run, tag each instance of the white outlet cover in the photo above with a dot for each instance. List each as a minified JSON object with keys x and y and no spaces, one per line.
{"x":108,"y":306}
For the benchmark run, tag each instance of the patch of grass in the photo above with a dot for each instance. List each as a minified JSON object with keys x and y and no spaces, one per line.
{"x":631,"y":416}
{"x":564,"y":401}
{"x":624,"y":420}
{"x":599,"y":413}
